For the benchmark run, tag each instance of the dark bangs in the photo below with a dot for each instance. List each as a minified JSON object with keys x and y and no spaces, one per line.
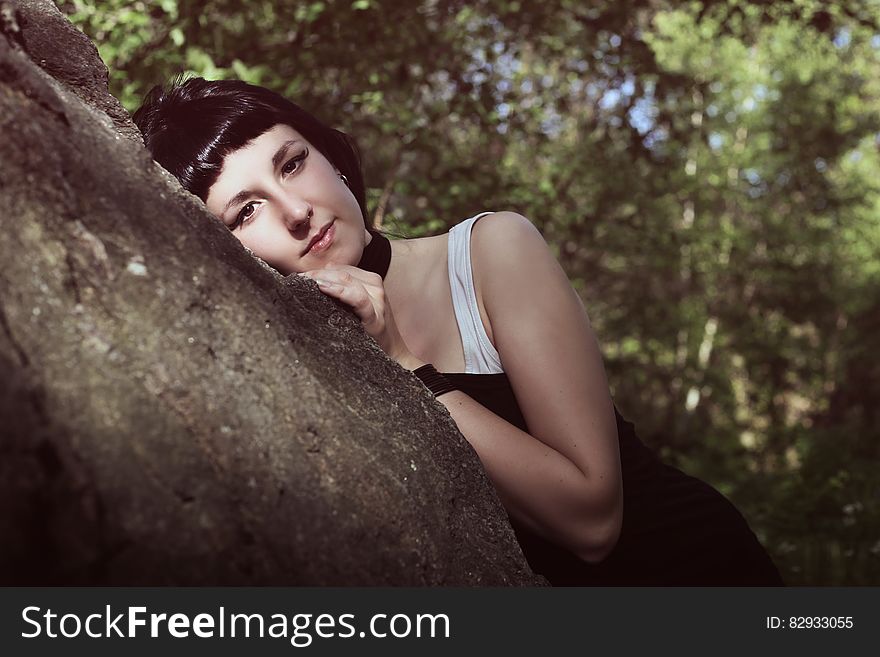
{"x":191,"y":126}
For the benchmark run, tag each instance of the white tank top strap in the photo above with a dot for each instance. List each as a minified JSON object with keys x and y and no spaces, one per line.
{"x":480,"y":356}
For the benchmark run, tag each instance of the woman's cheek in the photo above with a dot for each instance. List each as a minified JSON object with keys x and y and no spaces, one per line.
{"x":262,"y":246}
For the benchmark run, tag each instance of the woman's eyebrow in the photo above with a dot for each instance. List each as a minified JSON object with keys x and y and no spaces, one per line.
{"x":279,"y":154}
{"x":242,"y":195}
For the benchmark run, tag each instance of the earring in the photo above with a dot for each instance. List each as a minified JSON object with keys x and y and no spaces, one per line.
{"x":344,"y":179}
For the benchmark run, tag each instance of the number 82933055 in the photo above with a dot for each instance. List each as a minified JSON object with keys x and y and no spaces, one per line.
{"x":809,"y":623}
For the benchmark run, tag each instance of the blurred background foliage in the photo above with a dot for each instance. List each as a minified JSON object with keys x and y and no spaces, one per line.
{"x":707,"y":172}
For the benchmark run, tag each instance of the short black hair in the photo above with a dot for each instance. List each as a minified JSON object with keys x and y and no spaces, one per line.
{"x":193,"y":124}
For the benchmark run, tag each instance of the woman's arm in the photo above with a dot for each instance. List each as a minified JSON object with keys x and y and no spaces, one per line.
{"x":563,"y":479}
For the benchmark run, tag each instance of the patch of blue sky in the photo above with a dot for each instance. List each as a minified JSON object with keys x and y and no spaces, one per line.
{"x":656,"y":137}
{"x":755,"y":192}
{"x":552,"y":125}
{"x":642,"y":115}
{"x":610,"y":99}
{"x":580,"y":65}
{"x":477,"y":77}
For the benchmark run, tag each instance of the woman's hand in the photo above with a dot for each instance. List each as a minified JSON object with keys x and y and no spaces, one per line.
{"x":364,"y":292}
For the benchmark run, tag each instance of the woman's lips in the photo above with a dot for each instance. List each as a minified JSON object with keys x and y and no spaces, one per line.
{"x":326,"y":239}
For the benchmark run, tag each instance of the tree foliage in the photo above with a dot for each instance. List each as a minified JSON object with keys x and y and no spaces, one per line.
{"x":707,"y":171}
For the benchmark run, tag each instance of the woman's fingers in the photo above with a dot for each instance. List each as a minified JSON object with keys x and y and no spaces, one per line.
{"x":364,"y":293}
{"x":367,"y":277}
{"x":350,"y":291}
{"x":350,"y":276}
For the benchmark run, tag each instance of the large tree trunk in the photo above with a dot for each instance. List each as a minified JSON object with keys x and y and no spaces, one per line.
{"x":172,"y":410}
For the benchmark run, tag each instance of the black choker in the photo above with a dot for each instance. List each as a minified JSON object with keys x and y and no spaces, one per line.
{"x":377,"y":255}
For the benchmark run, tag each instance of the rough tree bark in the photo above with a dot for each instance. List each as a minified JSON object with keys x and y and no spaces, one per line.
{"x":173,"y":411}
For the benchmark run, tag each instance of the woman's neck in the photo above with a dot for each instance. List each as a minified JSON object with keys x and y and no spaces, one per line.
{"x":414,"y":263}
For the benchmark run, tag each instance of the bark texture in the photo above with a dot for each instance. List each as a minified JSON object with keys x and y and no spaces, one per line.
{"x":172,"y":410}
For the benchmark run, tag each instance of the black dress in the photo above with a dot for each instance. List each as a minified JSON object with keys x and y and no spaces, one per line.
{"x":677,"y":530}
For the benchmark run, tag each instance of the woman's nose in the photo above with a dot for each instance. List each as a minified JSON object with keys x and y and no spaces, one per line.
{"x":297,"y":213}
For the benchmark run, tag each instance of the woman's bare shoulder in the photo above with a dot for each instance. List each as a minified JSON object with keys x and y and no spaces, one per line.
{"x":505,"y":240}
{"x":505,"y":222}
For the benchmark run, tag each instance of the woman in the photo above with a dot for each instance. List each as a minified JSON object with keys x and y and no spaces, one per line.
{"x":489,"y":307}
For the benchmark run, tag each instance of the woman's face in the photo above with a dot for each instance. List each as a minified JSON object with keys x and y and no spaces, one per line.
{"x":285,"y":202}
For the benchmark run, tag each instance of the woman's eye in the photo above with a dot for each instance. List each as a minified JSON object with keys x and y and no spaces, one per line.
{"x":243,"y":215}
{"x":293,"y":163}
